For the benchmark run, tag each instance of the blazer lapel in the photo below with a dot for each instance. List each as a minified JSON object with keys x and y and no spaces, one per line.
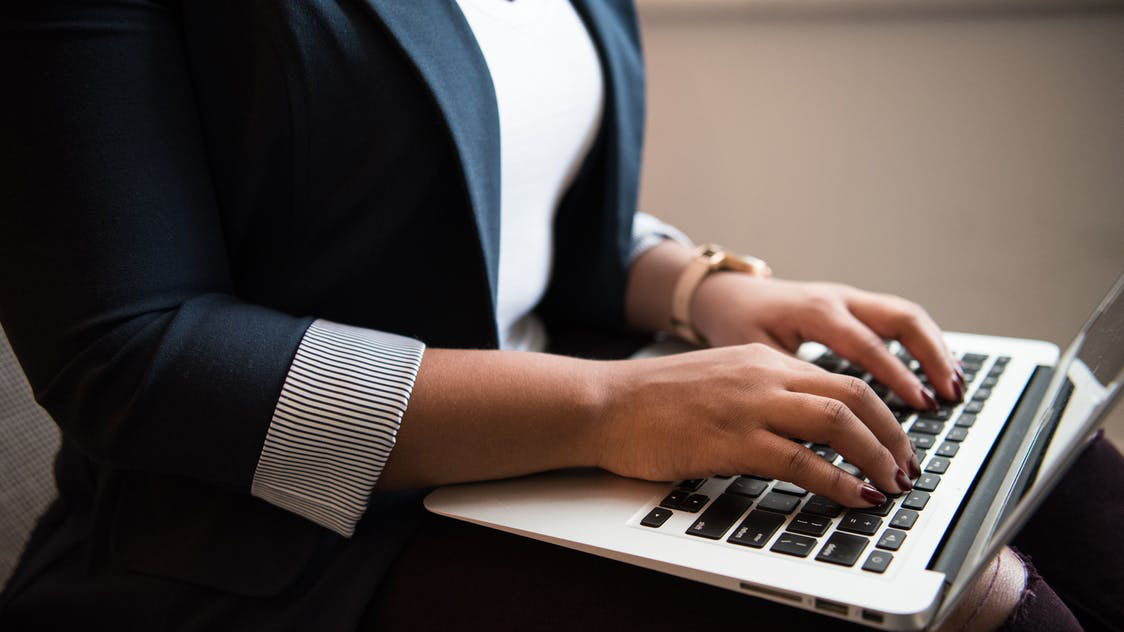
{"x":612,"y":27}
{"x":441,"y":46}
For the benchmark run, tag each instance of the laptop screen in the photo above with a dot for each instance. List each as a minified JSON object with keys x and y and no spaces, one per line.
{"x":1085,"y":386}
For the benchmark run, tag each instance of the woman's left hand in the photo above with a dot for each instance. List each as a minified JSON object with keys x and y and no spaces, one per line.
{"x":732,"y":308}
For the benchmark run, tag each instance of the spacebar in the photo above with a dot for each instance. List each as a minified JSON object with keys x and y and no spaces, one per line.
{"x":720,"y":516}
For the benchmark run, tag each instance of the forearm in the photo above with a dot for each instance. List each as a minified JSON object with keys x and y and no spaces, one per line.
{"x":651,"y":281}
{"x":477,"y":415}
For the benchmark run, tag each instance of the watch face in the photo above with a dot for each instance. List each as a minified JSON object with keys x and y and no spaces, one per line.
{"x":747,"y":264}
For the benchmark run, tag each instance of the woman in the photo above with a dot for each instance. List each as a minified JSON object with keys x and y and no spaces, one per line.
{"x":264,"y":251}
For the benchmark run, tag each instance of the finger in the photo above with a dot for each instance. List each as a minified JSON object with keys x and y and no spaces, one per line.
{"x":852,"y":339}
{"x":862,"y":401}
{"x":776,"y":457}
{"x":828,"y":420}
{"x":891,"y":317}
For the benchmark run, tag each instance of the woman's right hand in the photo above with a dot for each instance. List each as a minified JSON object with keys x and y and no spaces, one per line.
{"x":733,"y":410}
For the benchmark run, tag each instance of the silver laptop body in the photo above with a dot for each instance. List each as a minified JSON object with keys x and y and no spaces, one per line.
{"x":1032,"y":413}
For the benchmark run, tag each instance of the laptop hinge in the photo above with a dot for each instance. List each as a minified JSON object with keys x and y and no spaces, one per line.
{"x":953,"y":550}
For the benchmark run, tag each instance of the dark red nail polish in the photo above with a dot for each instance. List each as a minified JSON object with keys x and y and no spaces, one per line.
{"x":871,"y":495}
{"x":958,"y":390}
{"x":914,"y":467}
{"x":930,"y":401}
{"x":903,"y":481}
{"x":960,"y":377}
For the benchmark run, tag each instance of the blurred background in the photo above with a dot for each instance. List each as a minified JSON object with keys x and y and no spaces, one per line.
{"x":966,"y":155}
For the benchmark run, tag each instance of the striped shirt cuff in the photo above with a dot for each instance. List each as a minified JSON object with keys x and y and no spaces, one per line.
{"x":649,"y":232}
{"x":336,"y":422}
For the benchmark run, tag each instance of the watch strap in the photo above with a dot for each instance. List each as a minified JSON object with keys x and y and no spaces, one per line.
{"x":708,"y":258}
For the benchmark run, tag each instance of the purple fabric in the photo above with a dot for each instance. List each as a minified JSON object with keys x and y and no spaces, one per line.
{"x":1074,"y":540}
{"x":1039,"y":609}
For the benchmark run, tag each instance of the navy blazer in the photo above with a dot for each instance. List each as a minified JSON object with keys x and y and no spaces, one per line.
{"x":187,"y":186}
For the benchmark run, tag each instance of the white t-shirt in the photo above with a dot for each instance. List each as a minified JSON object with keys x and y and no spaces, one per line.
{"x":550,"y":94}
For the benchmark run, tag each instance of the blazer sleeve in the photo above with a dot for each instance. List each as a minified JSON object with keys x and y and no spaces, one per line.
{"x":116,"y":292}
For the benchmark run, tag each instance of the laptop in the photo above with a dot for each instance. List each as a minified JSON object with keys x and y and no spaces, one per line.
{"x":987,"y":463}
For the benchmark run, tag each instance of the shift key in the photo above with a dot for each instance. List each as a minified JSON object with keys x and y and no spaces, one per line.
{"x":720,"y":516}
{"x":757,"y":528}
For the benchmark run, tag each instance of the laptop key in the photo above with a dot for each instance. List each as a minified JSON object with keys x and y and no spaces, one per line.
{"x":1002,"y":360}
{"x":656,"y":517}
{"x":973,"y":358}
{"x":674,"y":500}
{"x":940,"y":414}
{"x":720,"y":516}
{"x":981,"y":394}
{"x":936,"y":465}
{"x":957,"y":434}
{"x":823,"y":506}
{"x":989,"y":382}
{"x":792,"y":544}
{"x":694,"y":502}
{"x":691,"y":484}
{"x":904,"y":519}
{"x":877,"y":561}
{"x":891,"y":540}
{"x":789,"y":488}
{"x":746,"y":486}
{"x":781,"y":503}
{"x":842,"y":548}
{"x":880,"y":510}
{"x":916,"y":500}
{"x":927,"y":426}
{"x":974,"y":407}
{"x":928,"y":482}
{"x":756,"y":529}
{"x":948,"y":449}
{"x":923,"y":441}
{"x":829,"y":362}
{"x":966,"y":420}
{"x":824,"y":452}
{"x":858,"y":522}
{"x":851,"y":469}
{"x":809,"y":524}
{"x":996,"y":370}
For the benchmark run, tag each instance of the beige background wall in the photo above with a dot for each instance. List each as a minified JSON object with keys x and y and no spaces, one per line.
{"x":972,"y":161}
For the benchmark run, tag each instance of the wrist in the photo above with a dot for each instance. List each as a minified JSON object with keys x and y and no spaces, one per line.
{"x":709,"y":260}
{"x":616,"y":379}
{"x":713,"y":306}
{"x":651,"y":283}
{"x":596,"y":381}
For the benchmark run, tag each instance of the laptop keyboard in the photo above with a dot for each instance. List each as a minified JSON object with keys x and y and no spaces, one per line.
{"x":783,"y":518}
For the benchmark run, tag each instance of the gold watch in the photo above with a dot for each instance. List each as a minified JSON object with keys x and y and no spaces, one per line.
{"x":707,"y":260}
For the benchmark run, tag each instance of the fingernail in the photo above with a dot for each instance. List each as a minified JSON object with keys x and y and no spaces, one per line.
{"x":960,"y":377}
{"x":930,"y":401}
{"x":958,"y":390}
{"x":903,"y":481}
{"x":871,"y":495}
{"x":914,"y":467}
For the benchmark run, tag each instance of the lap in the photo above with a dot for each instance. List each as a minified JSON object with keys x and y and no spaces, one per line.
{"x":458,"y":575}
{"x":454,"y":574}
